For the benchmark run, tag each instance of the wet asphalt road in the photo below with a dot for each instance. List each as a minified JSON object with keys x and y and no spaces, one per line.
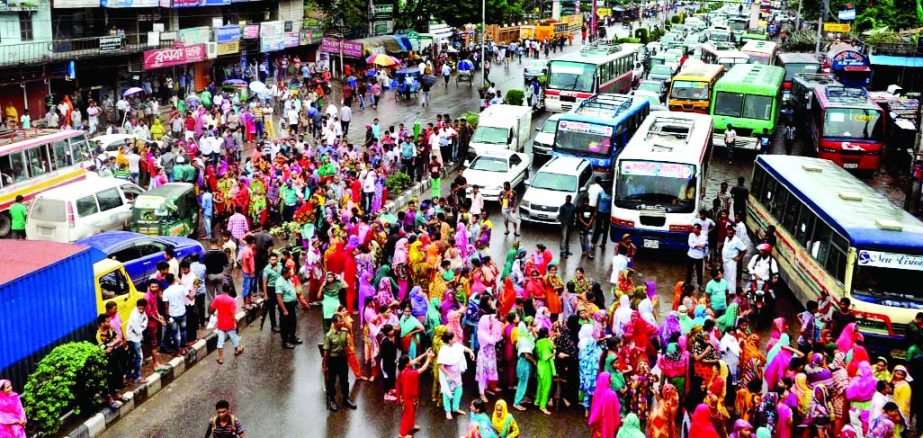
{"x":279,"y":393}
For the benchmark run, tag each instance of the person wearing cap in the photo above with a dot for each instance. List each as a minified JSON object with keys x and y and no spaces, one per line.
{"x":763,"y":265}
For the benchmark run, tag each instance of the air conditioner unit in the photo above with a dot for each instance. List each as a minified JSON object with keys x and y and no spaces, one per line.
{"x":211,"y":50}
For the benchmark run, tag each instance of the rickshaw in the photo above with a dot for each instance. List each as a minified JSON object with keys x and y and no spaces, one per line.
{"x":408,"y":83}
{"x":465,"y":72}
{"x":238,"y":87}
{"x":169,"y":210}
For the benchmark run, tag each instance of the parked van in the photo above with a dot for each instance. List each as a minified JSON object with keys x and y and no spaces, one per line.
{"x":548,"y":188}
{"x":81,"y":209}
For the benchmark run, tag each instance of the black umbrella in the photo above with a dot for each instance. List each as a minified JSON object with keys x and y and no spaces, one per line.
{"x":428,"y":80}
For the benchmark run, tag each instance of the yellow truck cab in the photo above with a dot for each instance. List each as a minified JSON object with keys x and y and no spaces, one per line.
{"x":114,"y":284}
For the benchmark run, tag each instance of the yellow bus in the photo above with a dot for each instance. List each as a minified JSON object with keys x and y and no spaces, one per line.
{"x":690,"y":90}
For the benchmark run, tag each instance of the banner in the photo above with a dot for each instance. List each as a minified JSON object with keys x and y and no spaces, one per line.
{"x":272,"y":43}
{"x":194,"y":3}
{"x":227,"y":34}
{"x":70,"y":4}
{"x":129,"y":3}
{"x":837,"y":27}
{"x":194,"y":35}
{"x":351,"y":49}
{"x":847,"y":14}
{"x":271,"y":28}
{"x":110,"y":44}
{"x":228,"y":48}
{"x":291,"y":39}
{"x":251,"y":31}
{"x":174,"y":56}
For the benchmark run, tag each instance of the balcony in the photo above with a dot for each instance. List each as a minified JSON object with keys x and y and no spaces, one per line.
{"x":71,"y":49}
{"x":897,"y":49}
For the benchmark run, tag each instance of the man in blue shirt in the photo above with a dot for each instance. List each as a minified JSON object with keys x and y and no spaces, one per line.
{"x":207,"y":211}
{"x":603,"y":210}
{"x":407,"y":151}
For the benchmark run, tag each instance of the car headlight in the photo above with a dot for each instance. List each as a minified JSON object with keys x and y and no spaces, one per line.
{"x":525,"y":204}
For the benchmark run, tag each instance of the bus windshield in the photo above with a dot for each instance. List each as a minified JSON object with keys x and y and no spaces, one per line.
{"x":692,"y":90}
{"x":574,"y":76}
{"x":759,"y":58}
{"x":854,"y":123}
{"x":889,"y":276}
{"x":671,"y":186}
{"x":719,"y":36}
{"x":748,"y":106}
{"x":583,"y":138}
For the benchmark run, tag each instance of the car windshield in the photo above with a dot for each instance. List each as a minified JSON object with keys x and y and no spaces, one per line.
{"x":854,"y":123}
{"x":662,"y":70}
{"x":890,"y":276}
{"x":490,"y":135}
{"x":489,"y":164}
{"x":582,"y":138}
{"x":550,"y":126}
{"x":720,"y":36}
{"x":646,"y":184}
{"x":791,"y":69}
{"x":554,"y":181}
{"x":650,"y":86}
{"x":691,"y":90}
{"x":535,"y":66}
{"x":571,"y":76}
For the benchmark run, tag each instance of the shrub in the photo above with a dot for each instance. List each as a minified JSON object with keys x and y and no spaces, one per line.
{"x":395,"y":183}
{"x":72,"y":376}
{"x":472,"y":119}
{"x":514,"y":97}
{"x":674,"y":19}
{"x":642,"y":34}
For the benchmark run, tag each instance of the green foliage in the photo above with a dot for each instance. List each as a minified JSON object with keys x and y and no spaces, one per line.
{"x":642,"y":35}
{"x":803,"y":40}
{"x":458,"y":14}
{"x":472,"y":119}
{"x":627,"y":40}
{"x":72,"y":376}
{"x":682,"y":17}
{"x":514,"y":97}
{"x":674,"y":19}
{"x":397,"y":182}
{"x":656,"y":34}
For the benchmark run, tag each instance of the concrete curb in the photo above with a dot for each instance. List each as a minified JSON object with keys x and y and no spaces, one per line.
{"x":97,"y":424}
{"x":419,"y":190}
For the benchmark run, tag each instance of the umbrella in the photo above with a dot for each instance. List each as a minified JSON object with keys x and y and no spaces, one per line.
{"x":235,"y":82}
{"x":192,"y":97}
{"x":132,"y":90}
{"x":428,"y":80}
{"x":258,"y":87}
{"x":465,"y":64}
{"x":382,"y":60}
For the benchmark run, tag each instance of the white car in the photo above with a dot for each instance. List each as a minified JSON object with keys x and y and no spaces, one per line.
{"x":544,"y":139}
{"x":490,"y":170}
{"x":552,"y":183}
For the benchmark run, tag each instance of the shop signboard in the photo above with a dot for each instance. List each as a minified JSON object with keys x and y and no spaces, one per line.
{"x":110,"y":44}
{"x":350,"y":49}
{"x":251,"y":31}
{"x":271,"y":28}
{"x":173,"y":56}
{"x":193,"y":3}
{"x":72,"y":4}
{"x":272,"y":43}
{"x":291,"y":39}
{"x":195,"y":35}
{"x":228,"y":48}
{"x":837,"y":27}
{"x":129,"y":3}
{"x":227,"y":34}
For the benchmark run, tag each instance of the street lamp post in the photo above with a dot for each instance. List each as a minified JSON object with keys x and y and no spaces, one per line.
{"x":483,"y":41}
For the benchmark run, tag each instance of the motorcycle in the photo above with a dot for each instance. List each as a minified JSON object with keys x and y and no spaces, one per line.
{"x":761,"y":298}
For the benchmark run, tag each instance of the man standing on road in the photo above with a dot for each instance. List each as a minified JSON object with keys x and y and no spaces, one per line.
{"x":698,"y":243}
{"x":226,"y":307}
{"x":215,"y":261}
{"x":732,"y":253}
{"x":566,"y":217}
{"x":477,"y":201}
{"x":18,"y":214}
{"x":334,"y":365}
{"x":287,"y":298}
{"x":739,"y":194}
{"x":224,"y":425}
{"x":446,"y":74}
{"x":603,"y":212}
{"x":346,"y":116}
{"x":593,"y":196}
{"x":730,"y":138}
{"x":175,"y":297}
{"x":585,"y":216}
{"x":271,"y":274}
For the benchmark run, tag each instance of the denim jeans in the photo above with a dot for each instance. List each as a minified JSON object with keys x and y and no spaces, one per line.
{"x":247,"y":284}
{"x":136,"y":359}
{"x":178,"y":331}
{"x":222,"y":335}
{"x":208,"y":225}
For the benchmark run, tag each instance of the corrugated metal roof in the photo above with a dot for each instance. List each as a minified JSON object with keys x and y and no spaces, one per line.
{"x":20,"y":257}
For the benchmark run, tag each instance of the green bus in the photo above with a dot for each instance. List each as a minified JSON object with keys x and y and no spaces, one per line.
{"x":747,"y":97}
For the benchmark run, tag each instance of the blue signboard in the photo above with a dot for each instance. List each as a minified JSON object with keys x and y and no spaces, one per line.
{"x":227,"y":34}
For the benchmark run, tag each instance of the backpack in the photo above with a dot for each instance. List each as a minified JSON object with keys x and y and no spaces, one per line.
{"x":233,"y":422}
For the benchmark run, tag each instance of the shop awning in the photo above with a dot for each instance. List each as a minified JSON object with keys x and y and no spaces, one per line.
{"x":896,"y":61}
{"x":404,"y":42}
{"x":382,"y":44}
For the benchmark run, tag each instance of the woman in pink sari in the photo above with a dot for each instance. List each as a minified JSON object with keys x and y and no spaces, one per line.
{"x":490,"y":332}
{"x":453,"y":323}
{"x":461,"y":241}
{"x":778,"y":327}
{"x":400,"y":252}
{"x":848,"y":343}
{"x":860,"y":390}
{"x":12,"y":416}
{"x":605,"y":409}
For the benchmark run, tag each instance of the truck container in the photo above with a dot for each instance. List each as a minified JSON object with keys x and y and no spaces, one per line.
{"x":50,"y":294}
{"x":502,"y":126}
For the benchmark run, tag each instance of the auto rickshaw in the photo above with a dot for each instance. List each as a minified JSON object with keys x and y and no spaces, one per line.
{"x":169,"y":210}
{"x":408,"y":83}
{"x":238,"y":87}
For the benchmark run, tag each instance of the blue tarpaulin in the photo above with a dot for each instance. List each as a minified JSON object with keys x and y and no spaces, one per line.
{"x":897,"y":61}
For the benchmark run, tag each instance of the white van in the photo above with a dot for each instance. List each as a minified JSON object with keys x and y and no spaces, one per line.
{"x":82,"y":209}
{"x":548,"y":189}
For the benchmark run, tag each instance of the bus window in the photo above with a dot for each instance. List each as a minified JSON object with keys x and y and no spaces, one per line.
{"x":820,"y":243}
{"x":62,"y":155}
{"x":790,"y":218}
{"x":836,"y":260}
{"x":758,"y":107}
{"x":805,"y":226}
{"x":14,"y":166}
{"x":757,"y":185}
{"x":765,"y":196}
{"x":728,"y":104}
{"x":80,"y":149}
{"x":37,"y":157}
{"x":778,"y":205}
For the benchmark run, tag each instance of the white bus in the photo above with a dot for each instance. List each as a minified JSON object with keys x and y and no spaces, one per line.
{"x":596,"y":69}
{"x":660,"y":179}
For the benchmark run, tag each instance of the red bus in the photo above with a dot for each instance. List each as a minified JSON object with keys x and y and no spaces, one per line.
{"x":847,"y":127}
{"x":575,"y":77}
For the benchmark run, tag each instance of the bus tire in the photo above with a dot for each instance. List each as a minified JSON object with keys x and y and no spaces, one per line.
{"x":6,"y":225}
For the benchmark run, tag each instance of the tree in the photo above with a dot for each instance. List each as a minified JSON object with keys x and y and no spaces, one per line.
{"x":413,"y":14}
{"x":458,"y":14}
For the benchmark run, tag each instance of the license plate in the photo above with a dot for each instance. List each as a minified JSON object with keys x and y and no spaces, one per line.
{"x":851,"y":165}
{"x":46,"y":230}
{"x":651,"y":243}
{"x":543,"y":216}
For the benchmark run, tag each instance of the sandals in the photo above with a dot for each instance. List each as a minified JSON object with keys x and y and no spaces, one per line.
{"x":220,"y":362}
{"x":238,"y":351}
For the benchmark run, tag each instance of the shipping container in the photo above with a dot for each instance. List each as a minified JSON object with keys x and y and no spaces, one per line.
{"x":47,"y":297}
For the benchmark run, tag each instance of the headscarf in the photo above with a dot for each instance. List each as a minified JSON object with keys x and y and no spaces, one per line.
{"x":729,"y":319}
{"x":631,"y":428}
{"x":501,"y":416}
{"x":525,"y":341}
{"x":418,"y":301}
{"x":701,"y":422}
{"x":698,"y":317}
{"x":622,"y":315}
{"x":646,"y":307}
{"x":437,"y":337}
{"x":685,"y":322}
{"x":862,"y":387}
{"x":802,"y":392}
{"x":669,"y":327}
{"x":848,"y":338}
{"x":11,"y":410}
{"x":784,"y":341}
{"x":763,"y":433}
{"x":740,"y":425}
{"x":585,"y":336}
{"x":449,"y":303}
{"x":605,"y":410}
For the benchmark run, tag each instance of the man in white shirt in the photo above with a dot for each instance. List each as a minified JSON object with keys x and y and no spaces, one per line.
{"x":134,"y":334}
{"x":732,"y":253}
{"x":134,"y":165}
{"x":175,"y":297}
{"x":477,"y":201}
{"x":729,"y":350}
{"x":698,"y":242}
{"x":707,"y":224}
{"x":346,"y":116}
{"x":368,"y":190}
{"x":619,"y":265}
{"x":594,"y":191}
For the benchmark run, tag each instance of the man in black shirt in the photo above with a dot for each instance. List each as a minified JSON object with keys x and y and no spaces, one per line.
{"x":461,"y":188}
{"x":215,"y":261}
{"x":842,"y":317}
{"x":739,"y":194}
{"x":585,"y":216}
{"x":566,"y":216}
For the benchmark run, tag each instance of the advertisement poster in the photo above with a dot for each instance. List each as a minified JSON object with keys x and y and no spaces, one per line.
{"x":194,"y":35}
{"x":173,"y":56}
{"x":251,"y":31}
{"x":129,"y":3}
{"x":227,"y":34}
